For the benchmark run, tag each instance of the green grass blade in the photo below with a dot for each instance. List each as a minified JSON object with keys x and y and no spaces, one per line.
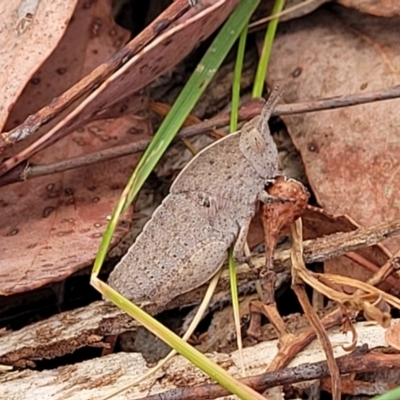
{"x":393,"y":394}
{"x":237,"y":79}
{"x":178,"y":113}
{"x":233,"y":127}
{"x":266,"y":51}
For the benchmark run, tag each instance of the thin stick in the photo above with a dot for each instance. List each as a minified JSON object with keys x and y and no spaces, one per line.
{"x":357,"y":362}
{"x":302,"y":5}
{"x":26,"y":171}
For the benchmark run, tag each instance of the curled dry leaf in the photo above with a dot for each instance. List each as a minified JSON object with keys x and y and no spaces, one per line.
{"x":372,"y":301}
{"x":278,"y":215}
{"x":364,"y":299}
{"x":378,"y":311}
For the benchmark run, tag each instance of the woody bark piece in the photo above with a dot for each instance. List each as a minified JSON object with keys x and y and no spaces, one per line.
{"x":94,"y":379}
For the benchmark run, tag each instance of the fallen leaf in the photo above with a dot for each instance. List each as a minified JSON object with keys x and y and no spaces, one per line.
{"x":91,"y":38}
{"x":52,"y":226}
{"x":279,"y":215}
{"x":380,"y":8}
{"x":30,"y":30}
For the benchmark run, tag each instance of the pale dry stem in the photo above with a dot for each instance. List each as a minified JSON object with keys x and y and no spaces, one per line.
{"x":298,"y":268}
{"x":366,"y":298}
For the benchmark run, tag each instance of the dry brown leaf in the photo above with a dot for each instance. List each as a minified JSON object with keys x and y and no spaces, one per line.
{"x":91,"y":38}
{"x":30,"y":30}
{"x":278,"y":216}
{"x":52,"y":226}
{"x":350,"y":155}
{"x":380,"y":8}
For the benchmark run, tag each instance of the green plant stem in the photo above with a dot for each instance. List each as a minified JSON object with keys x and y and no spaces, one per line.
{"x":393,"y":394}
{"x":237,"y":79}
{"x":266,"y":51}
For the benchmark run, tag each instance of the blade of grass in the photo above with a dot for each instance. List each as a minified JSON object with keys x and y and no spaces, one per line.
{"x":393,"y":394}
{"x":237,"y":79}
{"x":177,"y":115}
{"x":266,"y":50}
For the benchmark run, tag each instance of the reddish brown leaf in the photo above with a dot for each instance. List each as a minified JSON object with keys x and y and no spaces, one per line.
{"x":91,"y":38}
{"x":52,"y":226}
{"x":381,"y":8}
{"x":30,"y":30}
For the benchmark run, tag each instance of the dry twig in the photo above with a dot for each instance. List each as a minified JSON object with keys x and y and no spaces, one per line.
{"x":26,"y":171}
{"x":357,"y":362}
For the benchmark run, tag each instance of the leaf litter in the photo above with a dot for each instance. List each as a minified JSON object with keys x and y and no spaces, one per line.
{"x":349,"y":158}
{"x":59,"y":219}
{"x":99,"y":38}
